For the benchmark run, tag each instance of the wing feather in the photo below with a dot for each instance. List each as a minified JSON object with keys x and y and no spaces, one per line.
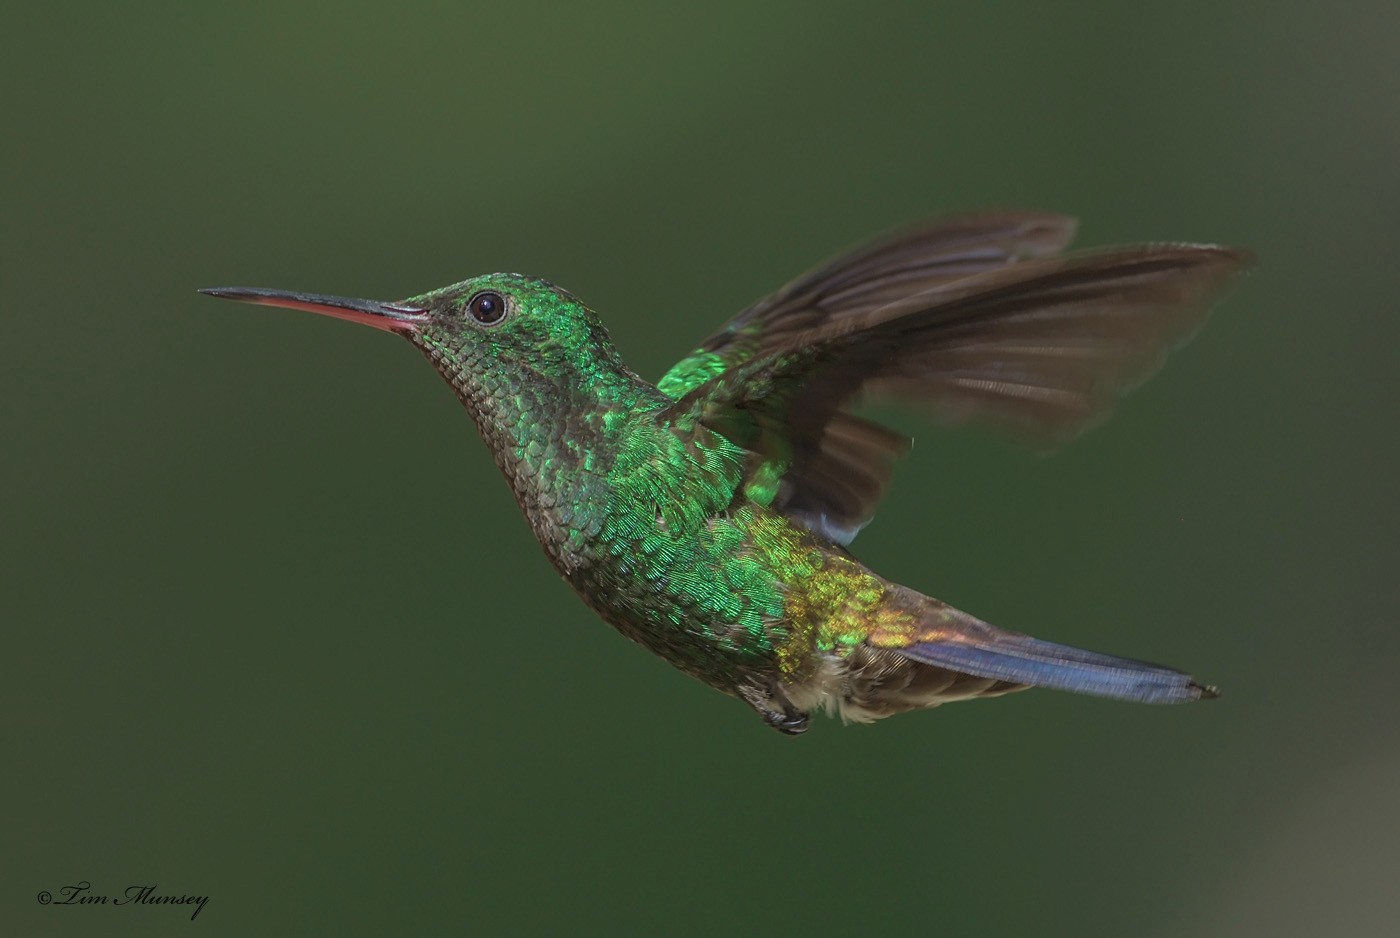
{"x":973,"y":319}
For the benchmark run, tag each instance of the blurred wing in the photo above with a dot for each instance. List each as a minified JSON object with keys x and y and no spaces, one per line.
{"x":915,"y":261}
{"x":1041,"y":346}
{"x":843,"y":473}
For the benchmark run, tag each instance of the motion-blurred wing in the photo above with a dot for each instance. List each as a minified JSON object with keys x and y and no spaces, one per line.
{"x":1041,"y":346}
{"x":915,"y":261}
{"x":842,"y":474}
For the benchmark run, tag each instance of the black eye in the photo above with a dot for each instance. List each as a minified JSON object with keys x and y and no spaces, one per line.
{"x":487,"y":308}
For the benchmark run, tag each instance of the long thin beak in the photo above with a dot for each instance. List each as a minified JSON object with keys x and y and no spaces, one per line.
{"x":390,"y":317}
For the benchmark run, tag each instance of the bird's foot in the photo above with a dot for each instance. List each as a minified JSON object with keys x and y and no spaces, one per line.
{"x":777,"y":711}
{"x":792,"y":723}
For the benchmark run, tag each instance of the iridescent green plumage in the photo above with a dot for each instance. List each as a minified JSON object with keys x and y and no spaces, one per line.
{"x":706,"y":516}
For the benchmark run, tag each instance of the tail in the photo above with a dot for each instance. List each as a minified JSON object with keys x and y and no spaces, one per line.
{"x":959,"y":642}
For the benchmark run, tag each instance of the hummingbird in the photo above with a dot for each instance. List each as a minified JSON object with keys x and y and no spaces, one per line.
{"x":708,"y":517}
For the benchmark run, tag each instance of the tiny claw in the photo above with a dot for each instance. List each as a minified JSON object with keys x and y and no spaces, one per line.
{"x":791,"y":722}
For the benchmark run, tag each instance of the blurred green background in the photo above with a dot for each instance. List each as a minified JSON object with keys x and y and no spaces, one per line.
{"x":276,"y":633}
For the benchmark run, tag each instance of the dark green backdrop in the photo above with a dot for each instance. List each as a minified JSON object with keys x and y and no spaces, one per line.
{"x":275,"y":633}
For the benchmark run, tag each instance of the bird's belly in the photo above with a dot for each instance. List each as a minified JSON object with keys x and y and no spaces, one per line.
{"x":705,"y":601}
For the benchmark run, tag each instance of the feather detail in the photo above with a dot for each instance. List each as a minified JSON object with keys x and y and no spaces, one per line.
{"x":1041,"y":346}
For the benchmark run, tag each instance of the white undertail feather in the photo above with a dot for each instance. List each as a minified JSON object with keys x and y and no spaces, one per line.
{"x":872,"y":685}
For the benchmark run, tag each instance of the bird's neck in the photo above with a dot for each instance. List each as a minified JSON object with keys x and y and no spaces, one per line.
{"x":555,"y":433}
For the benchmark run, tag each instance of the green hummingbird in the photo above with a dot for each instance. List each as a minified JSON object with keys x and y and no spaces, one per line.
{"x":707,"y":516}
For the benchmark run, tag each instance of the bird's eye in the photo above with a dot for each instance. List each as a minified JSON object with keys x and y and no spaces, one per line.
{"x":487,"y":307}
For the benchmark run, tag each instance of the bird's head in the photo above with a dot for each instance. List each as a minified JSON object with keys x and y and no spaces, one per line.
{"x":484,"y":334}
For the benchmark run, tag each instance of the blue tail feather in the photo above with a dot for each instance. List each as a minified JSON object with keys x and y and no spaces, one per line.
{"x":1008,"y":656}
